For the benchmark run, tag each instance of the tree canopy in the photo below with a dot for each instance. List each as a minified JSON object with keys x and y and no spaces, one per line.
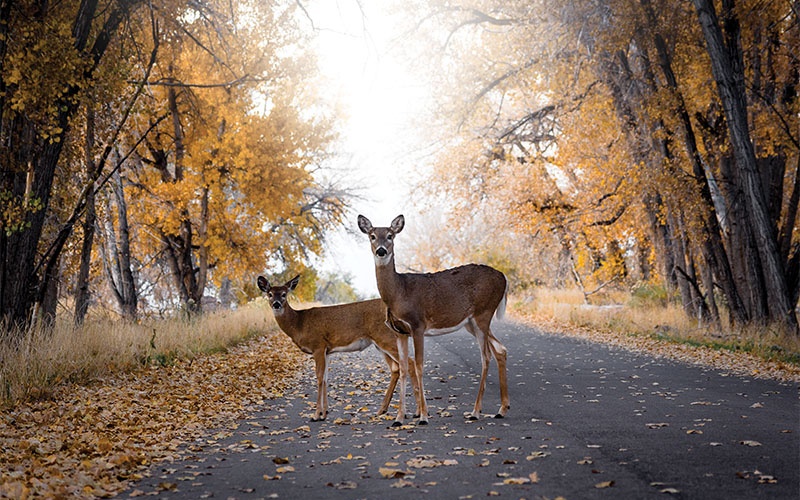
{"x":185,"y":135}
{"x":638,"y":142}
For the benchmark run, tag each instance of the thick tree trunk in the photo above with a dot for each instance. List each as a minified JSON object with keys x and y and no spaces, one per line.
{"x":29,"y":170}
{"x":714,"y":252}
{"x":727,"y":67}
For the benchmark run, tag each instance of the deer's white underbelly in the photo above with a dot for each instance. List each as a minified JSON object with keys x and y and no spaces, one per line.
{"x":432,"y":332}
{"x":358,"y":345}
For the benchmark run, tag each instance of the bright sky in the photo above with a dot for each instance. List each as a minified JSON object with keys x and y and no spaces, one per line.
{"x":379,"y":95}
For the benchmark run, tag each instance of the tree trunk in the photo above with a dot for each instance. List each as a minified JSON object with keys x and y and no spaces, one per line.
{"x":28,"y":173}
{"x":89,"y":221}
{"x":116,"y":253}
{"x":128,"y":297}
{"x":712,"y":246}
{"x":727,"y":67}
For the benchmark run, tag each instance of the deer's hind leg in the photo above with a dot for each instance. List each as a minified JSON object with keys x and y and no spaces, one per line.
{"x":402,"y":354}
{"x":500,"y":353}
{"x":473,"y":328}
{"x":394,"y":367}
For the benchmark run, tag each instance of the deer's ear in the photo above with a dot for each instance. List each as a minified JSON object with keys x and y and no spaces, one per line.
{"x":263,"y":284}
{"x":398,"y":223}
{"x":293,"y":283}
{"x":364,"y":224}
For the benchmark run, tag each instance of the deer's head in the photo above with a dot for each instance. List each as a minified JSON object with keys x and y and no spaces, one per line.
{"x":381,"y":238}
{"x":277,"y":294}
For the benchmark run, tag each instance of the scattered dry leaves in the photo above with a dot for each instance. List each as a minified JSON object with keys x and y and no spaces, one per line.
{"x":91,"y":440}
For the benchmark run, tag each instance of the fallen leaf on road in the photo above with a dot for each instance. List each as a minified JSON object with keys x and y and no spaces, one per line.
{"x":537,"y":454}
{"x":388,"y":473}
{"x":604,"y":484}
{"x":344,"y":485}
{"x":748,"y":442}
{"x":426,"y":462}
{"x":516,"y":480}
{"x":401,"y":483}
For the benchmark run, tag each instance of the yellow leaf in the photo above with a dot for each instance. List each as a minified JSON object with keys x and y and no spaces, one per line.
{"x":389,"y":473}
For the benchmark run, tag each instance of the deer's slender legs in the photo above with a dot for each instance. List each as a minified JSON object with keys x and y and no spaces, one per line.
{"x":321,"y":368}
{"x":419,"y":357}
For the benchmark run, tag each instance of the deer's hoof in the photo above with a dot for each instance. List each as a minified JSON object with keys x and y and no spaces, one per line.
{"x":422,"y":422}
{"x":397,"y":423}
{"x":472,"y":417}
{"x":499,"y":415}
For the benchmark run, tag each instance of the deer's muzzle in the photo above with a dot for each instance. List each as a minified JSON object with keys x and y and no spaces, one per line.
{"x":381,"y":252}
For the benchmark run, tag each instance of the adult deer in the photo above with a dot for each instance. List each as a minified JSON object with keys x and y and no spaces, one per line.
{"x":435,"y":304}
{"x":320,"y":331}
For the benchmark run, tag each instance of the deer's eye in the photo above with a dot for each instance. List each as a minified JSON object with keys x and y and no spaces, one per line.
{"x":389,"y":237}
{"x":372,"y":237}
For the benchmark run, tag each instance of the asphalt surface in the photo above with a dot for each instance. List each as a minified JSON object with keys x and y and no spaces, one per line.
{"x":586,"y":421}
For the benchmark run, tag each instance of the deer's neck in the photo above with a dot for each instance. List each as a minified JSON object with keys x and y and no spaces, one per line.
{"x":289,"y":321}
{"x":389,"y":281}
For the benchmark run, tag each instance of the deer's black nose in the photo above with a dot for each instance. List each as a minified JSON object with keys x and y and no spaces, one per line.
{"x":276,"y":305}
{"x":381,"y":252}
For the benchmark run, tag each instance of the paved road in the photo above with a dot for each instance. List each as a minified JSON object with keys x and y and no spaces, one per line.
{"x":586,"y":421}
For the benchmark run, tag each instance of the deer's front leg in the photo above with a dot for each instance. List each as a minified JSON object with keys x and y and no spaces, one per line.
{"x":321,"y":364}
{"x":402,"y":353}
{"x":419,"y":357}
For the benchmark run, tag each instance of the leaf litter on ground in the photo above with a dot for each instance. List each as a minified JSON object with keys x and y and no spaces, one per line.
{"x":91,"y":440}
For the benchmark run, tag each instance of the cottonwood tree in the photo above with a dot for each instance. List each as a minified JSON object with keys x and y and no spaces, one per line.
{"x":49,"y":54}
{"x":225,"y":183}
{"x":596,"y":120}
{"x":56,"y":166}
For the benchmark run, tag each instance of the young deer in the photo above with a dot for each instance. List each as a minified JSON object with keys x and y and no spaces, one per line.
{"x":435,"y":304}
{"x":320,"y":331}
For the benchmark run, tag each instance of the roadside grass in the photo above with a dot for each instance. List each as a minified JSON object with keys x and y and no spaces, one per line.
{"x":86,"y":410}
{"x":649,"y":313}
{"x":34,"y":362}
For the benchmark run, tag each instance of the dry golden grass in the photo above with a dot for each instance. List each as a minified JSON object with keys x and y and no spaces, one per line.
{"x":88,"y":437}
{"x":32,"y":364}
{"x":622,"y":316}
